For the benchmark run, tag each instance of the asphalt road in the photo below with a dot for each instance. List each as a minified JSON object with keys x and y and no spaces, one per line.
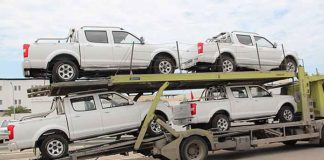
{"x":302,"y":151}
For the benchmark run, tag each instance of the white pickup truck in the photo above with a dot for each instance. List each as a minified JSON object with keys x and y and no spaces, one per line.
{"x":82,"y":116}
{"x":232,"y":51}
{"x":220,"y":105}
{"x":93,"y":50}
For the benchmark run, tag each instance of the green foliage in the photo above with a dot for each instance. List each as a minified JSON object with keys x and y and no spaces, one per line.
{"x":18,"y":109}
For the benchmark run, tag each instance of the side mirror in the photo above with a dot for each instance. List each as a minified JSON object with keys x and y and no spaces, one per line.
{"x":142,"y":40}
{"x":275,"y":45}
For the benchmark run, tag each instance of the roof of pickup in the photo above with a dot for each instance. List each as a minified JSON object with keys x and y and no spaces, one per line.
{"x":106,"y":27}
{"x":243,"y":32}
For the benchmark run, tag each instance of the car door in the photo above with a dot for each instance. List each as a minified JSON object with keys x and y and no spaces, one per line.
{"x":123,"y":42}
{"x":246,"y":54}
{"x":85,"y":118}
{"x":96,"y":50}
{"x":262,"y":101}
{"x":240,"y":102}
{"x":270,"y":56}
{"x":118,"y":114}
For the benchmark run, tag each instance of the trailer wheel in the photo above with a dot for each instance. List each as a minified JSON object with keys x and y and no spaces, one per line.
{"x":285,"y":114}
{"x":194,"y":148}
{"x":220,"y":122}
{"x":322,"y":138}
{"x":54,"y":146}
{"x":64,"y":71}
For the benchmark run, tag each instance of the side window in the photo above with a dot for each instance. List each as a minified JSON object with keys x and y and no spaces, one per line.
{"x":239,"y":92}
{"x":112,"y":100}
{"x":124,"y":38}
{"x":259,"y":92}
{"x":83,"y":104}
{"x":244,"y":39}
{"x":262,"y":42}
{"x":216,"y":93}
{"x":4,"y":123}
{"x":96,"y":36}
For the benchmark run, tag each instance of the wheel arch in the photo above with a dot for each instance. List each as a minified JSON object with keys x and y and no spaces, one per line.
{"x":62,"y":56}
{"x":222,"y":111}
{"x":292,"y":57}
{"x":161,"y":113}
{"x":226,"y":53}
{"x":164,"y":53}
{"x":50,"y":132}
{"x":289,"y":105}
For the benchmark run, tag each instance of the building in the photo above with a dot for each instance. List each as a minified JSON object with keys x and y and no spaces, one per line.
{"x":13,"y":92}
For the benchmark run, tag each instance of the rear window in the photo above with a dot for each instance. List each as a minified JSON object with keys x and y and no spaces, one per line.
{"x":244,"y":39}
{"x":96,"y":36}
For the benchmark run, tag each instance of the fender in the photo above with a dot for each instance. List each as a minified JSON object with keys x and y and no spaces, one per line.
{"x":290,"y":101}
{"x":47,"y":128}
{"x":63,"y":51}
{"x":211,"y":114}
{"x":164,"y":50}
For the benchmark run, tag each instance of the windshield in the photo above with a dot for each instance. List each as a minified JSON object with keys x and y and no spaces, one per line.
{"x":223,"y":37}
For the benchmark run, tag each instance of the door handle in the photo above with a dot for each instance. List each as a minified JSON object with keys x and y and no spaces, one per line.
{"x":107,"y":112}
{"x":89,"y":45}
{"x":118,"y":46}
{"x":77,"y":116}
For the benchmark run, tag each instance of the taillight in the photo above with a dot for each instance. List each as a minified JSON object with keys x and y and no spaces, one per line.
{"x":26,"y":47}
{"x":10,"y":131}
{"x":193,"y":107}
{"x":200,"y":46}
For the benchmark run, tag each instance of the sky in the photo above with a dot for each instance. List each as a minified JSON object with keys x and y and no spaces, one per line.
{"x":298,"y":24}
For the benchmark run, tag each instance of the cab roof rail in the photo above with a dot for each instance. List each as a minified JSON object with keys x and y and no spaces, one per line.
{"x":102,"y":27}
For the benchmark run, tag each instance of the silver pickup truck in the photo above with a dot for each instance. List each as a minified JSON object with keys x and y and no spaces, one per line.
{"x":90,"y":51}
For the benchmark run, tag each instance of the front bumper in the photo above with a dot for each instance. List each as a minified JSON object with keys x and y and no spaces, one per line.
{"x":12,"y":146}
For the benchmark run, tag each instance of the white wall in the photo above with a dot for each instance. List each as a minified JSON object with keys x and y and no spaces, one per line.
{"x":12,"y":90}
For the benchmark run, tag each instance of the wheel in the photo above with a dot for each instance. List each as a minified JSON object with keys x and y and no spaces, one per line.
{"x":290,"y":143}
{"x":54,"y":146}
{"x":163,"y":65}
{"x":64,"y":71}
{"x":289,"y":65}
{"x":321,"y":144}
{"x":154,"y":129}
{"x":286,"y":114}
{"x":193,"y":148}
{"x":226,"y":64}
{"x":220,"y":122}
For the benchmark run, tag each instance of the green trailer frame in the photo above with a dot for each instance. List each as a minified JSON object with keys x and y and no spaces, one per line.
{"x":239,"y":138}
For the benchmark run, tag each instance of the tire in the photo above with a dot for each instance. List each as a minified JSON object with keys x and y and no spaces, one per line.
{"x":289,"y":65}
{"x":155,"y":129}
{"x":290,"y":143}
{"x":64,"y":71}
{"x":321,"y":143}
{"x":286,"y":114}
{"x":163,"y":65}
{"x":54,"y":147}
{"x":220,"y":122}
{"x":193,"y":148}
{"x":226,"y":64}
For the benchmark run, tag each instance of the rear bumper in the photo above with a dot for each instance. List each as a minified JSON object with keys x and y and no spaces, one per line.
{"x":12,"y":146}
{"x":32,"y":72}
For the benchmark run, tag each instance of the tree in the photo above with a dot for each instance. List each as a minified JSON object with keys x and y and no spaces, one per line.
{"x":18,"y":109}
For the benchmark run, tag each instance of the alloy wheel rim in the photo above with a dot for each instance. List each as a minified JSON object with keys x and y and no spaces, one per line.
{"x":288,"y":115}
{"x":227,"y":66}
{"x":156,"y":128}
{"x":165,"y":67}
{"x":222,"y":124}
{"x":55,"y":148}
{"x":66,"y":71}
{"x":291,"y":67}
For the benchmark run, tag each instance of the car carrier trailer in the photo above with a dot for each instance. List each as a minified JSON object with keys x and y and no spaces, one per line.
{"x":195,"y":143}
